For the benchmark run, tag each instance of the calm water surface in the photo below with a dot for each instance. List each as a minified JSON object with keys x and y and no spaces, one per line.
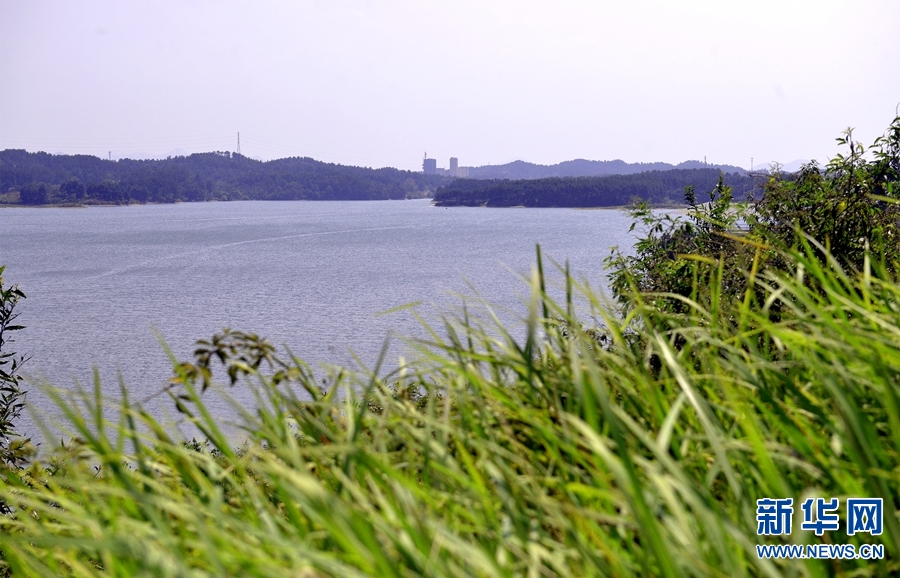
{"x":309,"y":275}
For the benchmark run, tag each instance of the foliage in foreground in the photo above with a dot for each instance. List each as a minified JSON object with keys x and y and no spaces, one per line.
{"x":560,"y":454}
{"x":13,"y":451}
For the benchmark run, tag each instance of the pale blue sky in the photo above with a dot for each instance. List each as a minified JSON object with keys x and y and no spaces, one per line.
{"x":377,"y":83}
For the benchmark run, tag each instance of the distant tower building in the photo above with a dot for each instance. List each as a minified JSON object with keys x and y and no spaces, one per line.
{"x":429,"y":166}
{"x":454,"y":167}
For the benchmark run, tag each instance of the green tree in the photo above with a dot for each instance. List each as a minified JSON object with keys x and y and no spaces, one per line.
{"x":34,"y":194}
{"x":849,"y":206}
{"x":108,"y":191}
{"x":678,"y":258}
{"x":851,"y":209}
{"x":73,"y":190}
{"x":12,"y":397}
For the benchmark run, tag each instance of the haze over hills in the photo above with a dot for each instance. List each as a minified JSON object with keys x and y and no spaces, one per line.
{"x":585,"y":168}
{"x":791,"y":167}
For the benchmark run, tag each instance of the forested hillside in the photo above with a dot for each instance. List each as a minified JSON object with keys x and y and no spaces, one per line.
{"x":41,"y":178}
{"x":658,"y":187}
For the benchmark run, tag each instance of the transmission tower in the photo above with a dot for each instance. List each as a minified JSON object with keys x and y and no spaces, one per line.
{"x":239,"y":144}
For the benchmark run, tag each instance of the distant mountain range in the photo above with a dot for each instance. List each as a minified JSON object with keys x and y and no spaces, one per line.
{"x":584,"y":168}
{"x":791,"y":167}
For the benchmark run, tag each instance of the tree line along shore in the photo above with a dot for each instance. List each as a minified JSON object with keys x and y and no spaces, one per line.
{"x":660,"y":187}
{"x":41,"y":178}
{"x":44,"y":179}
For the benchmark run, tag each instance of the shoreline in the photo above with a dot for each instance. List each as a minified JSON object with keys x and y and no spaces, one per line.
{"x":93,"y":204}
{"x":599,"y":208}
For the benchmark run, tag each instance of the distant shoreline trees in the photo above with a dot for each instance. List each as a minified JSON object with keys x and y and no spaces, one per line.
{"x":658,"y":187}
{"x":41,"y":178}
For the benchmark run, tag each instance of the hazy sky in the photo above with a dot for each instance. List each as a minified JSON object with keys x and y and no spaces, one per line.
{"x":379,"y":83}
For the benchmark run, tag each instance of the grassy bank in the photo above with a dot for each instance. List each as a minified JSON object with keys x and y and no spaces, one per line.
{"x":638,"y":451}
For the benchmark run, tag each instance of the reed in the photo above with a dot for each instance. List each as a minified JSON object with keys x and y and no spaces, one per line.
{"x":638,"y":447}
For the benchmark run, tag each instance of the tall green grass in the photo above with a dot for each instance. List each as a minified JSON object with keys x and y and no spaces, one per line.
{"x":636,"y":448}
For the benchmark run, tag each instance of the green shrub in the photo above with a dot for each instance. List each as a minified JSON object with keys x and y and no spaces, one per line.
{"x":850,"y":209}
{"x":34,"y":194}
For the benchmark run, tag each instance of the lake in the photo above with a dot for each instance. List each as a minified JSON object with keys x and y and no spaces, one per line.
{"x":309,"y":275}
